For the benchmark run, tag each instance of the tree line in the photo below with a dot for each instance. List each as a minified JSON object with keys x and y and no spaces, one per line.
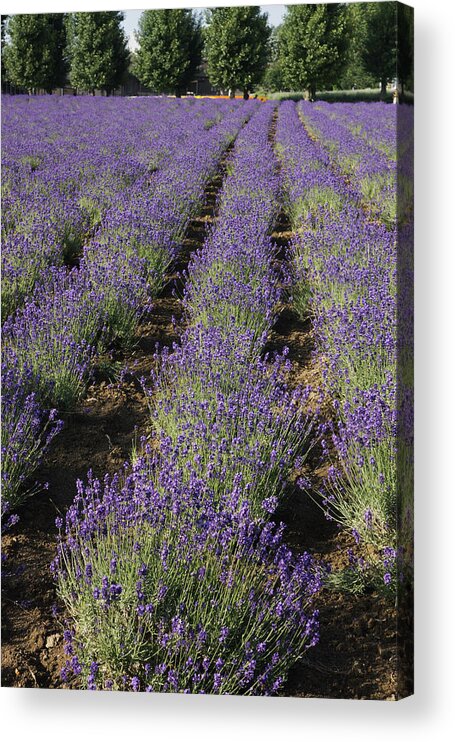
{"x":316,"y":47}
{"x":44,"y":51}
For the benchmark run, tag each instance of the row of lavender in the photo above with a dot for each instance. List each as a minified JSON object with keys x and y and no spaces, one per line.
{"x":50,"y":345}
{"x":346,"y":264}
{"x":392,"y":133}
{"x":376,"y":124}
{"x":172,"y":573}
{"x":386,"y":129}
{"x":374,"y":174}
{"x":66,"y":162}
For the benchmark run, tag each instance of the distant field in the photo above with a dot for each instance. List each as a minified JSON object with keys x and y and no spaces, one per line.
{"x":340,"y":96}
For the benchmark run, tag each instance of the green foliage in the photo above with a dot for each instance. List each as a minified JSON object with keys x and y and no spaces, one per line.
{"x":34,"y":55}
{"x":98,"y":50}
{"x":341,"y":96}
{"x":313,"y":45}
{"x":170,"y":46}
{"x":405,"y":56}
{"x":57,"y":22}
{"x":355,"y":73}
{"x":4,"y":19}
{"x":301,"y":292}
{"x":273,"y":76}
{"x":379,"y":49}
{"x":236,"y":47}
{"x":313,"y":207}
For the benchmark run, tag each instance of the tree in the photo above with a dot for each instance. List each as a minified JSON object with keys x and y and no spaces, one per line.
{"x":236,"y":47}
{"x":313,"y":46}
{"x":57,"y":22}
{"x":405,"y":43}
{"x":355,"y":72}
{"x":273,"y":76}
{"x":98,"y":51}
{"x":4,"y":19}
{"x":379,"y":53}
{"x":170,"y":46}
{"x":34,"y":55}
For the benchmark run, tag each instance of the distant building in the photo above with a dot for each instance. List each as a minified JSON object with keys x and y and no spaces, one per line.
{"x":201,"y":85}
{"x":132,"y":86}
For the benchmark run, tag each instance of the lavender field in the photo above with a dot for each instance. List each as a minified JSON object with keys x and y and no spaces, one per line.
{"x":207,"y":395}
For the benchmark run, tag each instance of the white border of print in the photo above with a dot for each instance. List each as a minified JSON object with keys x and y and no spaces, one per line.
{"x":74,"y":715}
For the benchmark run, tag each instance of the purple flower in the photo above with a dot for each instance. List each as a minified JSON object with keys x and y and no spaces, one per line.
{"x":223,"y":634}
{"x":135,"y":684}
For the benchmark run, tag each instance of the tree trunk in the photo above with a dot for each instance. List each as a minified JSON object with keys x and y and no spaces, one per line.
{"x":383,"y":87}
{"x":245,"y":95}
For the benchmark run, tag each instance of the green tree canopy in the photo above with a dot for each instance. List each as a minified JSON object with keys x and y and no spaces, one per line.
{"x":273,"y":76}
{"x":379,"y":52}
{"x":98,"y":50}
{"x":4,"y":19}
{"x":405,"y":56}
{"x":313,"y":44}
{"x":236,"y":47}
{"x":170,"y":46}
{"x":34,"y":54}
{"x":355,"y":72}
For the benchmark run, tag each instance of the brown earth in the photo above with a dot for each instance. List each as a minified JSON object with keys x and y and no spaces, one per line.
{"x":356,"y":656}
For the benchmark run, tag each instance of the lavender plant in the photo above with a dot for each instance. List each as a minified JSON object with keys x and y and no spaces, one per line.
{"x":223,"y":406}
{"x":66,"y":163}
{"x":248,"y":425}
{"x":71,"y":316}
{"x":171,"y":592}
{"x":232,"y":281}
{"x":349,"y":265}
{"x":372,"y":175}
{"x":214,"y":602}
{"x":54,"y":337}
{"x":27,"y":431}
{"x":141,"y":236}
